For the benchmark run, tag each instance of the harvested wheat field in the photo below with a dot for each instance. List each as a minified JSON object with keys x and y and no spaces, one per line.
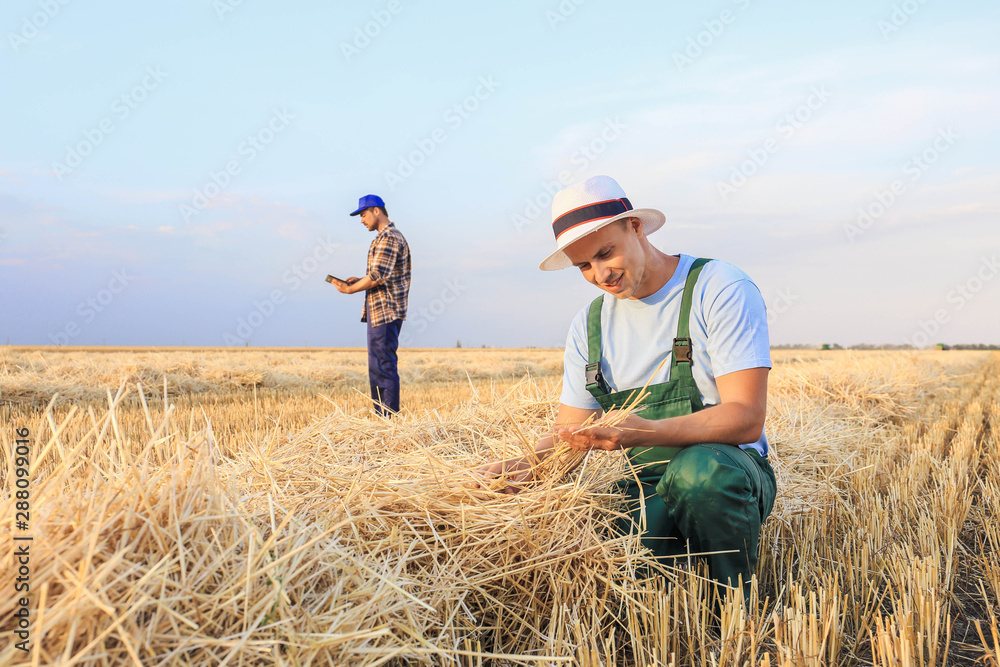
{"x":244,"y":507}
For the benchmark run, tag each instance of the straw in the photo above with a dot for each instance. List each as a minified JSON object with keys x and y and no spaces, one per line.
{"x":178,"y":532}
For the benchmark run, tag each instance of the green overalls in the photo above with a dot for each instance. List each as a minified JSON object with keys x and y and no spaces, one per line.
{"x":700,"y":498}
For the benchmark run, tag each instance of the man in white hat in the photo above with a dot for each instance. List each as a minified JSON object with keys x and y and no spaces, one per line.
{"x":697,"y":442}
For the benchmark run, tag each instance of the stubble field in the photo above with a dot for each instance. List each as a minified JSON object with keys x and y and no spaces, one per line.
{"x":244,"y":507}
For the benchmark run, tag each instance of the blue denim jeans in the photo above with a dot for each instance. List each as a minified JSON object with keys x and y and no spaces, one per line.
{"x":383,"y":372}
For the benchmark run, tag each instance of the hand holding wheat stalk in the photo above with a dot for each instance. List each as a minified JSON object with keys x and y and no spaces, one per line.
{"x":568,"y":450}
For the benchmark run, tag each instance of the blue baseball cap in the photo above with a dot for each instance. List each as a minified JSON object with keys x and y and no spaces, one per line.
{"x":367,"y":202}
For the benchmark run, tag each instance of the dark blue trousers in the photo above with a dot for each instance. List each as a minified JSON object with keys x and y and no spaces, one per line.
{"x":383,"y":371}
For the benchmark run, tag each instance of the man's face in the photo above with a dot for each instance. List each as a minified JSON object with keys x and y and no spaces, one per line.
{"x":611,"y":258}
{"x":369,"y":219}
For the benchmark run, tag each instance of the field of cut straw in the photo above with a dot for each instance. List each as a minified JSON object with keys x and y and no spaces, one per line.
{"x":244,"y":507}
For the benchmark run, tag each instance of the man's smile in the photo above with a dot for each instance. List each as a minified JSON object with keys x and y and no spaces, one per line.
{"x":613,"y":286}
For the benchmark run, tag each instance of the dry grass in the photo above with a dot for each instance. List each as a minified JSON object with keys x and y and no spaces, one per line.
{"x":243,"y":518}
{"x":33,"y":375}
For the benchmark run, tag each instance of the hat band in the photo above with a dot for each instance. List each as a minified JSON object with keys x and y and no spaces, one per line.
{"x":589,"y":213}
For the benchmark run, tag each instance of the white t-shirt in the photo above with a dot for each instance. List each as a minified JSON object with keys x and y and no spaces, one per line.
{"x":728,"y":328}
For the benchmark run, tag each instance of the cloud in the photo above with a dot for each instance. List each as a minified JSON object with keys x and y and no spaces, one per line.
{"x":127,"y":196}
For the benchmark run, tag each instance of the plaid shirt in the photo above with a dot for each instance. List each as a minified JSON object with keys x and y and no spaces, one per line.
{"x":389,"y":269}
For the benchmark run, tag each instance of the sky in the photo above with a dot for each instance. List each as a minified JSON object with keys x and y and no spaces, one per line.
{"x":182,"y":173}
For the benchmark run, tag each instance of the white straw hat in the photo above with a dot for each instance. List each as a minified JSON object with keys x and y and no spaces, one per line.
{"x":585,"y":207}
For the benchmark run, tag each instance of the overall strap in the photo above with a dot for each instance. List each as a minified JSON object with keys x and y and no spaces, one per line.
{"x":680,"y":367}
{"x":595,"y":379}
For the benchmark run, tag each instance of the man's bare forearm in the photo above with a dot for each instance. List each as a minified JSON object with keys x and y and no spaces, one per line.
{"x":727,"y":424}
{"x":544,"y":447}
{"x":363,"y":283}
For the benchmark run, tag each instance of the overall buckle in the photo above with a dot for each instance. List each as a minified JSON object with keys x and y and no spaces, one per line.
{"x":595,"y":378}
{"x":682,"y":350}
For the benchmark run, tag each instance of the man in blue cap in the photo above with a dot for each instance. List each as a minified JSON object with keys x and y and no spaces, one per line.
{"x":386,"y":286}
